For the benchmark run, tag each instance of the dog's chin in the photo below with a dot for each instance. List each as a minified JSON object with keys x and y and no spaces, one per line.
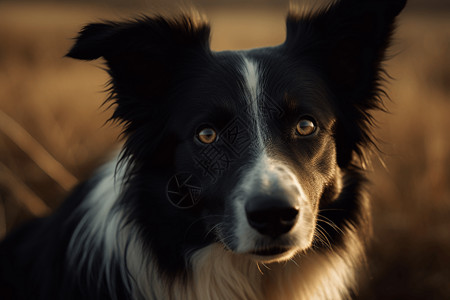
{"x":274,"y":254}
{"x":268,"y":254}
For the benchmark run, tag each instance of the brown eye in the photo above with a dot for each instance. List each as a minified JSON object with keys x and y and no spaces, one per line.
{"x":305,"y":127}
{"x":207,"y":135}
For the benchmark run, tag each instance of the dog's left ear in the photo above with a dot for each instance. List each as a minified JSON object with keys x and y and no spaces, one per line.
{"x":348,"y":41}
{"x":144,"y":58}
{"x":147,"y":59}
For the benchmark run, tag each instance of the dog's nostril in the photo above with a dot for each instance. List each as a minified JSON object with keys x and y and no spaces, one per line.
{"x":270,"y":216}
{"x":288,"y":214}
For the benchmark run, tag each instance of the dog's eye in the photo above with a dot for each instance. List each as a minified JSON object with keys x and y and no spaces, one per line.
{"x":207,"y":135}
{"x":305,"y":127}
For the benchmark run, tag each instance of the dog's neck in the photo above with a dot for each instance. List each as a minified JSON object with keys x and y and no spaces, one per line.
{"x":213,"y":272}
{"x":220,"y":274}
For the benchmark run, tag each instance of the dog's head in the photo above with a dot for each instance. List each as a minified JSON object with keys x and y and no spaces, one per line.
{"x":243,"y":147}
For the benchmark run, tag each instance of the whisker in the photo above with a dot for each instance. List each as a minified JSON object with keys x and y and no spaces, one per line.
{"x":295,"y":263}
{"x":266,"y":266}
{"x":323,"y":238}
{"x":223,"y":240}
{"x":213,"y":228}
{"x":201,"y":219}
{"x":260,"y":271}
{"x":331,"y":209}
{"x":323,"y":219}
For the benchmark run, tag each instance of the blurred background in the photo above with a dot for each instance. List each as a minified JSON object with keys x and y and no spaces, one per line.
{"x":53,"y":132}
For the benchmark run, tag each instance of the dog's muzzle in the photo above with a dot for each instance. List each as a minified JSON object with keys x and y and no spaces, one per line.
{"x":273,"y":218}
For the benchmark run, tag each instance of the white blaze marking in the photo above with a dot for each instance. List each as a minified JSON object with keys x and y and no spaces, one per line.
{"x":251,"y":72}
{"x":251,"y":76}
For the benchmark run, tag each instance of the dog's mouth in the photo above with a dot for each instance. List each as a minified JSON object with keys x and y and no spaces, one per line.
{"x":273,"y":254}
{"x":271,"y":251}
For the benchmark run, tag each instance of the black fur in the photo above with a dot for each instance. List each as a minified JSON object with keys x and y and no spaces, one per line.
{"x":165,"y":84}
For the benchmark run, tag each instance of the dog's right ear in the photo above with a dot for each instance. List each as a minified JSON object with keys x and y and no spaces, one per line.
{"x":153,"y":35}
{"x":347,"y":42}
{"x":93,"y":41}
{"x":144,"y":57}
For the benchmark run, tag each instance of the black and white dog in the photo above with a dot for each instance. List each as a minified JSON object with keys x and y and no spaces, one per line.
{"x":240,"y":176}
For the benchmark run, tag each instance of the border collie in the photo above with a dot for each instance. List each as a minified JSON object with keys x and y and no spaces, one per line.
{"x":241,"y":175}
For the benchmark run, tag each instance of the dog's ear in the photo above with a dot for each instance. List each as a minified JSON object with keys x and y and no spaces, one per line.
{"x":94,"y":41}
{"x":347,"y":41}
{"x":143,"y":58}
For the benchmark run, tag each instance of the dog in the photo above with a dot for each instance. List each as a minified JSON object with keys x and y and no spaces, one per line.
{"x":241,"y":174}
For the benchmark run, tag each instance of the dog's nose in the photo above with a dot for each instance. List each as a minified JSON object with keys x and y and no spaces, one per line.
{"x":271,"y":216}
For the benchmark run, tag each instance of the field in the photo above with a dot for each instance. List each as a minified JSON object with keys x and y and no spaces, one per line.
{"x":53,"y":131}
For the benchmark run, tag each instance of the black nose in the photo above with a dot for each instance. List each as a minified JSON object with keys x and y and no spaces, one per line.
{"x":271,"y":216}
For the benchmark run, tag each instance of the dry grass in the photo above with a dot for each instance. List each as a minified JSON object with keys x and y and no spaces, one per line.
{"x":411,"y":199}
{"x":56,"y":101}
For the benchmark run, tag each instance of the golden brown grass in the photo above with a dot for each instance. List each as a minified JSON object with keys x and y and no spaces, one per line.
{"x":54,"y":121}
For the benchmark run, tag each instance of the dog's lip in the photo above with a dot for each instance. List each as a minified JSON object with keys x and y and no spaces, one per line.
{"x":272,"y":251}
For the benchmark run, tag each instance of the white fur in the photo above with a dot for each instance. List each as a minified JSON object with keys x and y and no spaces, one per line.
{"x":250,"y":70}
{"x":101,"y":229}
{"x":252,"y":77}
{"x":221,"y":274}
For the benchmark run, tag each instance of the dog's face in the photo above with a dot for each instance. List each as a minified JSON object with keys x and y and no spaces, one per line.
{"x":257,"y":134}
{"x":255,"y":141}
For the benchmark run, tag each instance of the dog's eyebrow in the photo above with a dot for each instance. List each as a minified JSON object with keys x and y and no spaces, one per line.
{"x":290,"y":101}
{"x":215,"y":110}
{"x":308,"y":103}
{"x":225,"y":105}
{"x":297,"y":102}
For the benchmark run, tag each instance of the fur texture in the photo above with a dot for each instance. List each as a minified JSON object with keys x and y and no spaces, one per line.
{"x":266,"y":144}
